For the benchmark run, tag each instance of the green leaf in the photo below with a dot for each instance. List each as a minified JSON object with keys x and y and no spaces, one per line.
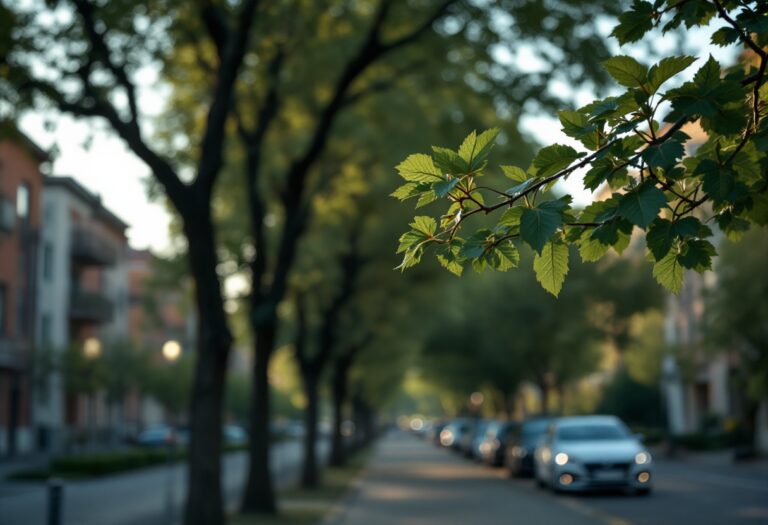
{"x":551,"y":267}
{"x":508,"y":255}
{"x":590,"y":249}
{"x":719,"y":182}
{"x":443,"y":188}
{"x":449,"y":162}
{"x":419,"y":168}
{"x":450,"y":258}
{"x":410,"y":189}
{"x":511,"y":216}
{"x":669,"y":273}
{"x":626,"y":71}
{"x":666,"y":69}
{"x":641,"y":205}
{"x":537,"y":225}
{"x":664,"y":155}
{"x":659,"y":238}
{"x":409,"y":239}
{"x":725,"y":36}
{"x":425,"y":225}
{"x":576,"y":124}
{"x":476,"y":244}
{"x":554,"y":158}
{"x":634,"y":23}
{"x":426,"y":198}
{"x":475,"y":148}
{"x":515,"y":173}
{"x":697,"y":255}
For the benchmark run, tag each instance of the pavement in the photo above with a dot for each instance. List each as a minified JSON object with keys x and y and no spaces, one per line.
{"x":152,"y":496}
{"x":411,"y":482}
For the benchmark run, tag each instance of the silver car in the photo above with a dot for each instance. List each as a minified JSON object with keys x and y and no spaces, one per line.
{"x":588,"y":452}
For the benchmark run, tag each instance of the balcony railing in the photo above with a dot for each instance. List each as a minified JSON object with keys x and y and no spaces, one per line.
{"x":91,"y":247}
{"x":90,"y":307}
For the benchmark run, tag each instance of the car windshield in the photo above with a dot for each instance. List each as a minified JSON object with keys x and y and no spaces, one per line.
{"x":532,"y":429}
{"x":595,"y":432}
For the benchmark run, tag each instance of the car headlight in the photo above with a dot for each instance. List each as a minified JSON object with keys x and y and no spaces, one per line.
{"x":561,"y":458}
{"x":519,"y":452}
{"x":641,"y":458}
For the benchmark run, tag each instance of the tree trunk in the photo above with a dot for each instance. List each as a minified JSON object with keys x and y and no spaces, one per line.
{"x":340,"y":372}
{"x":259,"y":496}
{"x":544,"y":388}
{"x":310,"y":474}
{"x":204,"y":504}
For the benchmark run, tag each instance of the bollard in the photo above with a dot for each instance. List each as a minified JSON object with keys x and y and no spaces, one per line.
{"x":55,"y":497}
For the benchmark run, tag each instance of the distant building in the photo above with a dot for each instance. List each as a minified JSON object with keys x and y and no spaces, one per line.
{"x":21,"y":183}
{"x":157,"y":313}
{"x":82,"y":296}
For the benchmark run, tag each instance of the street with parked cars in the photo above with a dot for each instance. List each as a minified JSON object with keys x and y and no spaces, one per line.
{"x":597,"y":466}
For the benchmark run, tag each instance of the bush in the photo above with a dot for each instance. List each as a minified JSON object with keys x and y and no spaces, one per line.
{"x":109,"y":463}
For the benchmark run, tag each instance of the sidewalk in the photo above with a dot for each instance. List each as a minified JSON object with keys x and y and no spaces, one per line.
{"x":411,"y":482}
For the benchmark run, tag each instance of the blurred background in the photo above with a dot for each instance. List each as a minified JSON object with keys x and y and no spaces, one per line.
{"x":195,"y":213}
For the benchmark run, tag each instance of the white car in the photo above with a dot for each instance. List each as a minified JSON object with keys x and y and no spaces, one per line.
{"x":587,"y":452}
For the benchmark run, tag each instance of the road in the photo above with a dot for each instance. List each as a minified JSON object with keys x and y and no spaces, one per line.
{"x":410,"y":482}
{"x":140,"y":497}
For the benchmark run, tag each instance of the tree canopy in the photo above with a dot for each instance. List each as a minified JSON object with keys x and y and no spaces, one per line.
{"x":634,"y":145}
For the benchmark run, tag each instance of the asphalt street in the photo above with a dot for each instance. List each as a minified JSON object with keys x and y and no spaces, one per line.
{"x":137,"y":498}
{"x":411,"y":482}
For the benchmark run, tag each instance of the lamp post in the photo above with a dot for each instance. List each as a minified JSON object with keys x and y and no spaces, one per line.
{"x":91,"y":352}
{"x":171,"y":351}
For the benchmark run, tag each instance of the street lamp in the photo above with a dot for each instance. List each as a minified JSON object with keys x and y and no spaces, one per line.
{"x":171,"y":350}
{"x":92,"y":348}
{"x":91,"y":351}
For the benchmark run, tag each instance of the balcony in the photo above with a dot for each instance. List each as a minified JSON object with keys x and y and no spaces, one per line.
{"x":90,"y":307}
{"x":92,"y":248}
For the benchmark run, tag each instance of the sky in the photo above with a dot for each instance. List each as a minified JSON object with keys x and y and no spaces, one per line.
{"x":108,"y":169}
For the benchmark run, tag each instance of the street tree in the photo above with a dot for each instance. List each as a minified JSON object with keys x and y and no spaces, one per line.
{"x":82,"y":58}
{"x":633,"y":144}
{"x":311,"y":66}
{"x":736,"y":313}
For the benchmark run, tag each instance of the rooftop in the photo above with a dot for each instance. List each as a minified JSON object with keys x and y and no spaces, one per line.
{"x":93,"y":200}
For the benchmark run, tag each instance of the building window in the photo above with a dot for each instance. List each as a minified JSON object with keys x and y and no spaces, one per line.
{"x":3,"y":308}
{"x":22,"y":202}
{"x":48,"y":262}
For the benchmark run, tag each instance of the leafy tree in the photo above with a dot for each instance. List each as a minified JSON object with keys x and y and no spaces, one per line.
{"x":81,"y":58}
{"x":524,"y":335}
{"x":316,"y":65}
{"x":634,"y":144}
{"x":736,"y":313}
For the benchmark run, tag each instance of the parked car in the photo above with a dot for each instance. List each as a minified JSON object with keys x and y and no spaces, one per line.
{"x":433,"y":434}
{"x":157,"y":436}
{"x":494,"y":444}
{"x":234,"y":435}
{"x":521,"y":445}
{"x":476,"y":437}
{"x":454,"y":433}
{"x":587,"y":452}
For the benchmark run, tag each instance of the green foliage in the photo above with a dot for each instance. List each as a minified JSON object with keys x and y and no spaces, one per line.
{"x":736,"y":310}
{"x":635,"y":144}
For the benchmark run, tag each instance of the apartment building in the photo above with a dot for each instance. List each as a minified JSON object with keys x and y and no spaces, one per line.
{"x":82,"y":301}
{"x":21,"y":185}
